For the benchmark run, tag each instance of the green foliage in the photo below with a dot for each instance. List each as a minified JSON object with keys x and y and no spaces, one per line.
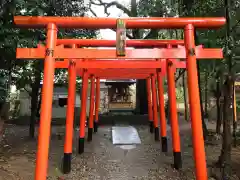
{"x":151,"y":8}
{"x":179,"y":95}
{"x":12,"y":37}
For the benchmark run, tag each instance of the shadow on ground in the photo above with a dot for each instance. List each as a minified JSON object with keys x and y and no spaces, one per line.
{"x":101,"y":160}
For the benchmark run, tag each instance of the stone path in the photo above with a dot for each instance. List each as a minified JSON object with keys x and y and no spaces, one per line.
{"x":101,"y":160}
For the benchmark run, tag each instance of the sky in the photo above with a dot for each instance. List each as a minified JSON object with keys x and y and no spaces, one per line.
{"x":114,"y":12}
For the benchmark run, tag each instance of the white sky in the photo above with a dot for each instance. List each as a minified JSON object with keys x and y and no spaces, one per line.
{"x":114,"y":12}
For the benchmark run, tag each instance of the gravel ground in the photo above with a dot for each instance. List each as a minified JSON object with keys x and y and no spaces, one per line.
{"x":101,"y":159}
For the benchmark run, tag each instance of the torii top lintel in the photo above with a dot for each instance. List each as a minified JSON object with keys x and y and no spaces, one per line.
{"x":131,"y":23}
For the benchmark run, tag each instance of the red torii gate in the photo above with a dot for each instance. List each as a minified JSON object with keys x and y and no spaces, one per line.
{"x":132,"y":64}
{"x":52,"y":52}
{"x":149,"y":74}
{"x":140,"y":73}
{"x":136,"y":74}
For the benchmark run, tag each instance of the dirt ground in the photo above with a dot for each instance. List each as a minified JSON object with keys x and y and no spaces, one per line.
{"x":102,"y":160}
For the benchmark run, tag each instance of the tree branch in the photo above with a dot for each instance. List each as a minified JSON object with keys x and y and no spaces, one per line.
{"x":94,"y":14}
{"x":30,"y":93}
{"x":108,"y":5}
{"x":128,"y":35}
{"x":180,"y":74}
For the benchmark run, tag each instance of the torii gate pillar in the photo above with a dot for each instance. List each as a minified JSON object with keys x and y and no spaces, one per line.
{"x":46,"y":105}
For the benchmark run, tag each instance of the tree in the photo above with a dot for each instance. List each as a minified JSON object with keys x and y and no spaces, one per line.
{"x":218,"y":94}
{"x":225,"y":156}
{"x":28,"y":74}
{"x":6,"y":58}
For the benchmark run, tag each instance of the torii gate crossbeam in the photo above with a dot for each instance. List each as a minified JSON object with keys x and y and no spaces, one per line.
{"x":61,"y":53}
{"x":109,"y":23}
{"x":112,"y":43}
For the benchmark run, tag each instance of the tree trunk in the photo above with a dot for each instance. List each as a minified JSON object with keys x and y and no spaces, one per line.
{"x":34,"y":98}
{"x":185,"y":97}
{"x":225,"y":157}
{"x":1,"y":128}
{"x":234,"y":116}
{"x":4,"y":109}
{"x":205,"y":130}
{"x":219,"y":116}
{"x":206,"y":95}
